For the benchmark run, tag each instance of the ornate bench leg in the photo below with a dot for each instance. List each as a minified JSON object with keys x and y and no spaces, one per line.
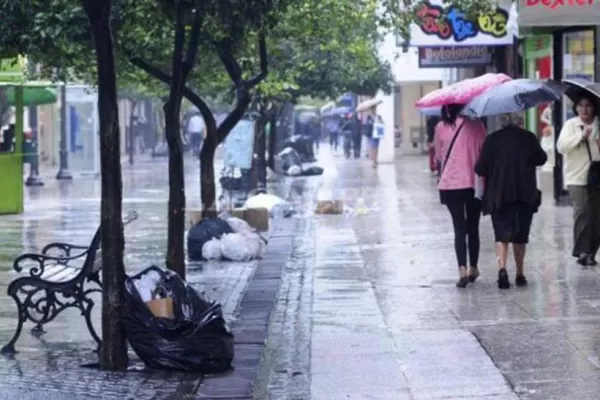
{"x":87,"y":313}
{"x":10,"y":347}
{"x":38,"y":330}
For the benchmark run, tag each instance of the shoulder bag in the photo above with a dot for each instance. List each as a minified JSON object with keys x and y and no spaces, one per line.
{"x":593,"y":177}
{"x":448,"y":157}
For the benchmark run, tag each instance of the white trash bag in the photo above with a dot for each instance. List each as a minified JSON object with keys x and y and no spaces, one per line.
{"x":238,"y":247}
{"x":239,"y":225}
{"x":260,"y":243}
{"x":276,"y":206}
{"x":211,"y":250}
{"x":294,"y":170}
{"x":147,"y":284}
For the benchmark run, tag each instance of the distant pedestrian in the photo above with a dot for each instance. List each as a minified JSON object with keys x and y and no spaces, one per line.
{"x":579,"y":143}
{"x":332,"y":126}
{"x":195,"y":129}
{"x":356,"y":127}
{"x":508,"y":164}
{"x":458,"y":142}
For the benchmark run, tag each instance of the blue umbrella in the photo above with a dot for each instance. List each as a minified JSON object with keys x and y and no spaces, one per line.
{"x":431,"y":112}
{"x":514,"y":96}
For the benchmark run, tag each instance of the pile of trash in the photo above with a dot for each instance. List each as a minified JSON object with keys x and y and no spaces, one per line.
{"x":277,"y":207}
{"x":169,"y":325}
{"x":291,"y":164}
{"x":226,"y":238}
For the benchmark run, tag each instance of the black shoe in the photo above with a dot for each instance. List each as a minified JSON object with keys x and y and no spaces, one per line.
{"x":474,"y":274}
{"x":583,"y":260}
{"x":521,"y":281}
{"x":591,"y":261}
{"x":503,"y":282}
{"x":462,"y":282}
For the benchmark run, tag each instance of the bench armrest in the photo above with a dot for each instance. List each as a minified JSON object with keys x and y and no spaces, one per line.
{"x":39,"y":262}
{"x":66,"y":249}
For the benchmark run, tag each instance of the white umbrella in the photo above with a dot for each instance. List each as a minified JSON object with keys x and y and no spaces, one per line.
{"x":368,"y":104}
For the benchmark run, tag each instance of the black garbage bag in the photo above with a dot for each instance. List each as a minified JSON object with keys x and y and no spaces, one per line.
{"x":289,"y":158}
{"x":195,"y":340}
{"x":312,"y":171}
{"x":203,"y":232}
{"x":302,"y":144}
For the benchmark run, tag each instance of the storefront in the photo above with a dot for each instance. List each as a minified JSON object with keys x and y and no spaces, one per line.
{"x":537,"y":55}
{"x":569,"y":29}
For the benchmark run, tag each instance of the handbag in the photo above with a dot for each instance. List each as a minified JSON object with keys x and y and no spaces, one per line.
{"x":443,"y":167}
{"x":593,"y":177}
{"x":378,"y":130}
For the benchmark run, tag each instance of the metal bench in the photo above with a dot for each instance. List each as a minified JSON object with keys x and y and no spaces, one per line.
{"x":55,"y":284}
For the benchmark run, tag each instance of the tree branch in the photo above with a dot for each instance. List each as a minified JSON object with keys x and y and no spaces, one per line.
{"x":192,"y":50}
{"x":188,"y":93}
{"x":231,"y":65}
{"x":178,"y":69}
{"x":264,"y":63}
{"x":242,"y":103}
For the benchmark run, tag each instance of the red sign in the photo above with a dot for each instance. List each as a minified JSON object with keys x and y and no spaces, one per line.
{"x":558,"y":13}
{"x":559,"y":3}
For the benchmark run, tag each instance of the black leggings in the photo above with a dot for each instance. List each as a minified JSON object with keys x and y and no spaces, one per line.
{"x":465,"y":210}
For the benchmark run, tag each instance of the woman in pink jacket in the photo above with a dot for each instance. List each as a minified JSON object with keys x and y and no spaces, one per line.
{"x":458,"y":143}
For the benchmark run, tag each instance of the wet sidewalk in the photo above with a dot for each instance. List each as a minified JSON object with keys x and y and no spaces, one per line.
{"x":388,"y":322}
{"x":372,"y":295}
{"x":69,"y":211}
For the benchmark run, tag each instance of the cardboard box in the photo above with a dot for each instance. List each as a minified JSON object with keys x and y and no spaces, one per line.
{"x":162,"y":308}
{"x":331,"y":207}
{"x":258,"y":218}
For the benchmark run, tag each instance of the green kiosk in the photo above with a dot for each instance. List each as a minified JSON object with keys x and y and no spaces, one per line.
{"x":15,"y":92}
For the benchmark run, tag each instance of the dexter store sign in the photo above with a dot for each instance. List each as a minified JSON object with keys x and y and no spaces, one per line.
{"x":559,"y":13}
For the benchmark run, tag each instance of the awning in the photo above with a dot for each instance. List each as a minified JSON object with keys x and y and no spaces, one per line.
{"x":32,"y":96}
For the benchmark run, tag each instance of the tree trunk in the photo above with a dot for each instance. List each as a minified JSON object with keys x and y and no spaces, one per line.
{"x":176,"y":213}
{"x":113,"y":354}
{"x":132,"y":131}
{"x":272,"y":145}
{"x":208,"y":191}
{"x":259,"y":171}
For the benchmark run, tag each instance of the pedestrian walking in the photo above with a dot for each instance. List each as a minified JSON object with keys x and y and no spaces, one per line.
{"x":195,"y":129}
{"x":508,"y":162}
{"x":356,"y":134}
{"x":332,"y":125}
{"x":458,"y":142}
{"x":579,"y":143}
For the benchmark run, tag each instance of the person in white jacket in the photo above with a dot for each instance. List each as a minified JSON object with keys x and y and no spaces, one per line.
{"x":579,"y":143}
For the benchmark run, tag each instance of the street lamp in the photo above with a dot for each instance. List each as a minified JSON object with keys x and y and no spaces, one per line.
{"x":34,"y":178}
{"x":63,"y":170}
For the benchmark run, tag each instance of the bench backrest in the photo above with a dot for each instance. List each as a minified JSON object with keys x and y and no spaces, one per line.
{"x":94,"y":256}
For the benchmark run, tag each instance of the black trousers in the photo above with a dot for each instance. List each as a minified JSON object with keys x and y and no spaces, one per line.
{"x":465,"y":210}
{"x":357,"y":139}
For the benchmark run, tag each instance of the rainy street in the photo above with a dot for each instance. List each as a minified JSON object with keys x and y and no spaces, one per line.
{"x":370,"y":293}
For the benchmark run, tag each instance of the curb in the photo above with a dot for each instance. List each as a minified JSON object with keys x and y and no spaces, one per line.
{"x":251,"y":327}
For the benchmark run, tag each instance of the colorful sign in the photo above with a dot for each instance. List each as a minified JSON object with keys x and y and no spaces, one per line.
{"x":534,"y":13}
{"x":454,"y":57}
{"x":436,"y":27}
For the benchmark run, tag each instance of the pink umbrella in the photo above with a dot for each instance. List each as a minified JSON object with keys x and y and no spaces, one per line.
{"x":461,"y":92}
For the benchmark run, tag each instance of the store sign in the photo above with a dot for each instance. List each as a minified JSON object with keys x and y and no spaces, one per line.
{"x":534,"y":13}
{"x":454,"y":57}
{"x":434,"y":27}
